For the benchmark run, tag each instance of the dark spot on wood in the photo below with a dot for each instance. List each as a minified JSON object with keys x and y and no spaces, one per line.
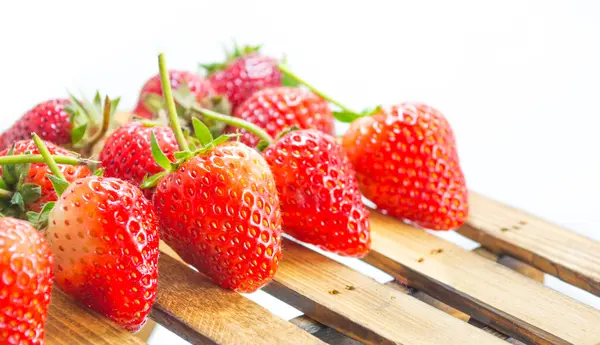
{"x":515,"y":227}
{"x":504,"y":229}
{"x":334,"y":292}
{"x":420,"y":260}
{"x":350,"y":287}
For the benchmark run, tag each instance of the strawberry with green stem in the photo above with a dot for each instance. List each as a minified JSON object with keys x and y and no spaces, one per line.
{"x":317,"y":186}
{"x":24,"y":186}
{"x":127,"y":152}
{"x":244,"y":72}
{"x":151,"y":101}
{"x":217,"y":205}
{"x":26,"y":271}
{"x":104,"y":236}
{"x":189,"y":88}
{"x":406,"y":161}
{"x":65,"y":122}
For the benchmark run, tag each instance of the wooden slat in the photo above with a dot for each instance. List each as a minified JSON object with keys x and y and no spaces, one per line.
{"x":512,"y":263}
{"x":190,"y":305}
{"x":557,"y":251}
{"x":319,"y":330}
{"x":358,"y":306}
{"x":507,"y":261}
{"x":332,"y":336}
{"x":72,"y":324}
{"x":488,"y":291}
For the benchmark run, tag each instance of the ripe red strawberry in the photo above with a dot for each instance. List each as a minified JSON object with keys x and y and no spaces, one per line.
{"x":320,"y":200}
{"x":220,"y":212}
{"x":127,"y":153}
{"x":63,"y":122}
{"x":26,"y":283}
{"x":104,"y":235}
{"x":244,"y":72}
{"x":276,"y":109}
{"x":218,"y":206}
{"x":407,"y":164}
{"x":36,"y":175}
{"x":149,"y":105}
{"x":50,"y":119}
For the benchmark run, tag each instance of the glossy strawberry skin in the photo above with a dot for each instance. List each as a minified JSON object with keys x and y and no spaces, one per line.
{"x":199,"y":86}
{"x":38,"y":171}
{"x":220,"y":212}
{"x":104,"y":235}
{"x":318,"y":191}
{"x":127,"y":152}
{"x":276,"y":109}
{"x":26,"y":283}
{"x":48,"y":119}
{"x":406,"y":162}
{"x":244,"y":76}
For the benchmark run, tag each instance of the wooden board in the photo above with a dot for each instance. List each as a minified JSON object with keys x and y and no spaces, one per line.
{"x":190,"y":305}
{"x":319,"y":330}
{"x":554,"y":250}
{"x":512,"y":263}
{"x":488,"y":291}
{"x":358,"y":306}
{"x":72,"y":324}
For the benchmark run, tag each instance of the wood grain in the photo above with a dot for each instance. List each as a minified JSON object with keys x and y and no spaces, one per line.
{"x":554,"y":250}
{"x":72,"y":324}
{"x":490,"y":292}
{"x":361,"y":308}
{"x":190,"y":305}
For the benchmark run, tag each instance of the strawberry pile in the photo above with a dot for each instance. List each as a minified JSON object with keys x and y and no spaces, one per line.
{"x":219,"y":168}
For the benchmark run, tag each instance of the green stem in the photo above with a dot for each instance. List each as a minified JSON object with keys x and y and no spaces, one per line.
{"x":5,"y":194}
{"x":285,"y":70}
{"x":168,"y":95}
{"x":48,"y":157}
{"x":106,"y":114}
{"x":24,"y":159}
{"x":234,"y":121}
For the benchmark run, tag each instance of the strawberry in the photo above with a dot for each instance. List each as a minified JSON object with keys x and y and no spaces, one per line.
{"x":220,"y":212}
{"x":26,"y":276}
{"x":127,"y":153}
{"x":150,"y":100}
{"x":276,"y":109}
{"x":244,"y":72}
{"x":218,"y":206}
{"x":406,"y":163}
{"x":320,"y":200}
{"x":49,"y":118}
{"x":64,"y":122}
{"x":28,"y":185}
{"x":104,"y":235}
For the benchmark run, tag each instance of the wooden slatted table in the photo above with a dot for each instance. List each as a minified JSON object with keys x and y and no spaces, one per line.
{"x":481,"y":287}
{"x":492,"y":295}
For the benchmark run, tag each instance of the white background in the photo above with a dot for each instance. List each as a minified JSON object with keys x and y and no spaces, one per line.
{"x":518,"y":80}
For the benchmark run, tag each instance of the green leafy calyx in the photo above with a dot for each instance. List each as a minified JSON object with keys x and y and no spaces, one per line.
{"x":202,"y":136}
{"x":89,"y":119}
{"x":15,"y":192}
